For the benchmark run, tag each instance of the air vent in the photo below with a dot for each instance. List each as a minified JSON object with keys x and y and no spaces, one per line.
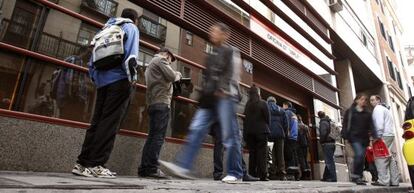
{"x":336,"y":5}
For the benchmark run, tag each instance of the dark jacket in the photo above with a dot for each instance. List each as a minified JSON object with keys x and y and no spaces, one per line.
{"x":278,"y":121}
{"x":409,"y":113}
{"x":324,"y":130}
{"x":222,"y":73}
{"x":303,"y":135}
{"x":293,"y":123}
{"x":257,"y":118}
{"x":361,"y":125}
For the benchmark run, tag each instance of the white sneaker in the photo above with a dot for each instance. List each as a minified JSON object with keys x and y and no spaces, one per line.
{"x":79,"y":170}
{"x":102,"y":172}
{"x":231,"y":180}
{"x":177,"y":170}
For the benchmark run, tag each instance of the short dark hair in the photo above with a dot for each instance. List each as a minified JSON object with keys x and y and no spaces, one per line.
{"x":378,"y":97}
{"x":289,"y":104}
{"x":223,"y":27}
{"x":321,"y":114}
{"x":130,"y":14}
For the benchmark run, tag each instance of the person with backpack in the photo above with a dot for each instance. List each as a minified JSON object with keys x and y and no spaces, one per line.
{"x":112,"y":69}
{"x":387,"y":168}
{"x":303,"y":148}
{"x":219,"y":96}
{"x":328,"y":147}
{"x":357,"y":128}
{"x":255,"y":132}
{"x":278,"y":132}
{"x":159,"y":77}
{"x":292,"y":139}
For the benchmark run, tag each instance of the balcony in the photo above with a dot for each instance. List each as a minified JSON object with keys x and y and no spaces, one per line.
{"x":152,"y":29}
{"x":105,"y":7}
{"x":56,"y":46}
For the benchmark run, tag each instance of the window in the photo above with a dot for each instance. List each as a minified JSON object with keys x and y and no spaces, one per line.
{"x":382,"y":28}
{"x":390,"y":42}
{"x":364,"y":39}
{"x":382,"y":7}
{"x":209,"y":48}
{"x":402,"y":61}
{"x":391,"y":69}
{"x":86,"y":34}
{"x":399,"y":79}
{"x":409,"y":91}
{"x":189,"y":38}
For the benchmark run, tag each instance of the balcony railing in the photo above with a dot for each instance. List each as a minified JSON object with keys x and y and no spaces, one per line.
{"x":56,"y":46}
{"x":105,"y":7}
{"x":152,"y":28}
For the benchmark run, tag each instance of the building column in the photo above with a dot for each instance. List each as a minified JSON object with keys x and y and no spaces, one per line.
{"x":345,"y":82}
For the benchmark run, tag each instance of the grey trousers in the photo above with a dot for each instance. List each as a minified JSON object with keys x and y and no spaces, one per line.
{"x":388,"y":172}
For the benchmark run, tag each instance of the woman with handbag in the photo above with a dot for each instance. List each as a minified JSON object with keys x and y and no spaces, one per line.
{"x":358,"y":126}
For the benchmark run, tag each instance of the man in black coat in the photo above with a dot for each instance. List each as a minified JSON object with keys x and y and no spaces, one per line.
{"x":328,"y":147}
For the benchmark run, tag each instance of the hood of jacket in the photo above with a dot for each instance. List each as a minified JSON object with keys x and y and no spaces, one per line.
{"x":274,"y":108}
{"x":117,"y":21}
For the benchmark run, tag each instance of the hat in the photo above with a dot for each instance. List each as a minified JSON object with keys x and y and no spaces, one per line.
{"x":164,"y":49}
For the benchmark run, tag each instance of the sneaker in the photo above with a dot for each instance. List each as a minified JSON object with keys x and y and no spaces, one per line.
{"x":102,"y":172}
{"x":156,"y":175}
{"x":177,"y":170}
{"x":377,"y":184}
{"x":249,"y":178}
{"x":231,"y":180}
{"x":79,"y":170}
{"x":358,"y":181}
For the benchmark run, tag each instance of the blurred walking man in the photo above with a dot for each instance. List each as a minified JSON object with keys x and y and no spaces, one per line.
{"x":218,"y":99}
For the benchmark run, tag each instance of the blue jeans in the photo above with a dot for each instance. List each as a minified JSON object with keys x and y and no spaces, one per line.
{"x":330,"y":169}
{"x":359,"y":159}
{"x":224,"y":112}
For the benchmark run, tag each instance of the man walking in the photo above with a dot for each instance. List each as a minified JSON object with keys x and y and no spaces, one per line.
{"x":388,"y":173}
{"x":219,"y":96}
{"x":278,"y":132}
{"x":328,"y":147}
{"x":112,"y":100}
{"x":159,"y":77}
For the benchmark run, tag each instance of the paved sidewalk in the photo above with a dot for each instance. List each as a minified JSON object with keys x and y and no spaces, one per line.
{"x":23,"y":182}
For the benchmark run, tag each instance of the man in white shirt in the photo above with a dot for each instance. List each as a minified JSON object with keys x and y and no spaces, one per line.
{"x":388,"y":172}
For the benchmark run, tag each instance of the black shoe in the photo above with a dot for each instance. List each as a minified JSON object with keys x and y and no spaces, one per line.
{"x":359,"y":181}
{"x":218,"y":178}
{"x":156,"y":175}
{"x":323,"y":180}
{"x":330,"y":180}
{"x":265,"y":179}
{"x":377,"y":184}
{"x":249,"y":178}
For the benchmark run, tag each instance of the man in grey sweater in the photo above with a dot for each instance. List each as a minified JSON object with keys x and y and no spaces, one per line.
{"x":388,"y":172}
{"x":159,"y":77}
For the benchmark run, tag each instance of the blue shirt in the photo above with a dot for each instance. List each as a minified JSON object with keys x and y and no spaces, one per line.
{"x":102,"y":78}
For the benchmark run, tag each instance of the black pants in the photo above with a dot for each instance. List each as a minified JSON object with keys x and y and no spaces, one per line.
{"x":291,"y":154}
{"x":218,"y":153}
{"x":159,"y":115}
{"x":303,"y":158}
{"x":278,"y":158}
{"x":257,"y":145}
{"x":111,"y":105}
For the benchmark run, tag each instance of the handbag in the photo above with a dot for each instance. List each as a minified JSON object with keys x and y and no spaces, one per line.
{"x":380,"y":149}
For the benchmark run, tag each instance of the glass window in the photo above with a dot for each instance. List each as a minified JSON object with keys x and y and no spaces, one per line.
{"x":209,"y":48}
{"x":86,"y":34}
{"x":10,"y":67}
{"x":390,"y":42}
{"x":189,"y":38}
{"x":391,"y":69}
{"x":382,"y":28}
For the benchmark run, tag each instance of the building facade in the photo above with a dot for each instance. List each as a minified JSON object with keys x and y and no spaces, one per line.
{"x":287,"y":50}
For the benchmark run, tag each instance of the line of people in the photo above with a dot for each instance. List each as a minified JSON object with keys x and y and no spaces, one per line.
{"x":114,"y":75}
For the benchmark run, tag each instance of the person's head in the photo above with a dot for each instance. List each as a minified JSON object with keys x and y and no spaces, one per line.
{"x":321,"y":114}
{"x":166,"y":53}
{"x":287,"y":105}
{"x":130,"y":14}
{"x":254,"y":95}
{"x":219,"y":33}
{"x":375,"y":100}
{"x":360,"y":100}
{"x":271,"y":99}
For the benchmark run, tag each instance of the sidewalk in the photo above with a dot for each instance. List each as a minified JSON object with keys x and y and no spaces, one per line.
{"x":23,"y":182}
